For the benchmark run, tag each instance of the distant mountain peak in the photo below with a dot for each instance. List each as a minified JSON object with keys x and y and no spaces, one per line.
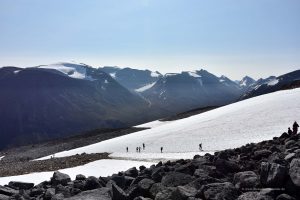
{"x":72,"y":70}
{"x":246,"y":81}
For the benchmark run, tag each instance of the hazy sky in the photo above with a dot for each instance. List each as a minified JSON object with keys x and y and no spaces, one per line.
{"x":234,"y":38}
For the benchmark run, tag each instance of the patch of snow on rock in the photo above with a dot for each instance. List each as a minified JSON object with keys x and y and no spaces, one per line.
{"x":194,"y":74}
{"x":155,"y":74}
{"x":74,"y":71}
{"x":144,"y":88}
{"x":273,"y":82}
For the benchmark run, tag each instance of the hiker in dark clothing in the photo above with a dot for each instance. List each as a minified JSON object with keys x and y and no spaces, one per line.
{"x":290,"y":132}
{"x":200,"y":146}
{"x":143,"y":146}
{"x":127,"y":149}
{"x":161,"y":149}
{"x":137,"y":149}
{"x":295,"y":127}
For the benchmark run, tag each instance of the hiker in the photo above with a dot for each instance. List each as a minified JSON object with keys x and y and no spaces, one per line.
{"x":200,"y":146}
{"x":161,"y":149}
{"x":143,"y":146}
{"x":295,"y":127}
{"x":290,"y":132}
{"x":137,"y":149}
{"x":127,"y":149}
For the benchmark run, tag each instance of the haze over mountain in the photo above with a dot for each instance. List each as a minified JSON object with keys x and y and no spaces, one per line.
{"x":62,"y":99}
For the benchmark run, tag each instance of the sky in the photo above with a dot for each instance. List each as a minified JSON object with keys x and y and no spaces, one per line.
{"x":235,"y":38}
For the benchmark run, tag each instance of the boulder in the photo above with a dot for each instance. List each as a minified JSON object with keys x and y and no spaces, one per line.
{"x":226,"y":166}
{"x":184,"y":192}
{"x":174,"y":179}
{"x":289,"y":157}
{"x":8,"y":191}
{"x":294,"y":171}
{"x":64,"y":190}
{"x":285,"y":197}
{"x":165,"y":194}
{"x":219,"y":191}
{"x":156,"y":188}
{"x":91,"y":183}
{"x":273,"y":175}
{"x":145,"y":185}
{"x":254,"y":196}
{"x":132,"y":172}
{"x":80,"y":177}
{"x":20,"y":185}
{"x":60,"y":178}
{"x":119,"y":180}
{"x":37,"y":191}
{"x":157,"y":174}
{"x":96,"y":194}
{"x":118,"y":193}
{"x":247,"y":179}
{"x":50,"y":192}
{"x":4,"y":197}
{"x":262,"y":154}
{"x":188,"y":168}
{"x":199,"y":182}
{"x":141,"y":198}
{"x":277,"y":175}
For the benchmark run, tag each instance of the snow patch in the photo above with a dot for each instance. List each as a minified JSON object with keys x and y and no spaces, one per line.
{"x":104,"y":168}
{"x":1,"y":157}
{"x":194,"y":74}
{"x":73,"y":71}
{"x":273,"y":82}
{"x":155,"y":74}
{"x":113,"y":75}
{"x":252,"y":120}
{"x":171,"y":74}
{"x":146,"y":87}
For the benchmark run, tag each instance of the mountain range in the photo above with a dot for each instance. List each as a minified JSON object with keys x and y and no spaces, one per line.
{"x":63,"y":99}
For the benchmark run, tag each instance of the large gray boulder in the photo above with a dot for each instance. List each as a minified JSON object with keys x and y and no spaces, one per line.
{"x":294,"y":171}
{"x":97,"y":194}
{"x":216,"y":191}
{"x":273,"y":174}
{"x":20,"y":185}
{"x":247,"y":179}
{"x":174,"y":179}
{"x":60,"y":178}
{"x":254,"y":196}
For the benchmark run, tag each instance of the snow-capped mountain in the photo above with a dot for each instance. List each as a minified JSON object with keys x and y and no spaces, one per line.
{"x":57,"y":100}
{"x":188,"y":90}
{"x":133,"y":79}
{"x":246,"y":82}
{"x":272,"y":84}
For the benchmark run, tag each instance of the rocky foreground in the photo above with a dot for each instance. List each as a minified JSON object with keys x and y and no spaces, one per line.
{"x":262,"y":171}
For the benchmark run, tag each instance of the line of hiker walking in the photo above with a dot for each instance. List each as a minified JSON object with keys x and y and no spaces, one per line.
{"x":295,"y":129}
{"x":138,"y":149}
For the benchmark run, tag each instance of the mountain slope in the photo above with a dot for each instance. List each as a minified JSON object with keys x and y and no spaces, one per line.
{"x":189,"y":90}
{"x":54,"y":101}
{"x":252,"y":120}
{"x":272,"y":84}
{"x":132,"y":79}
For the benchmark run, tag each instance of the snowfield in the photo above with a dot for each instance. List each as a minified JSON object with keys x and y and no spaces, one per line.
{"x":98,"y":168}
{"x":76,"y":71}
{"x":252,"y":120}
